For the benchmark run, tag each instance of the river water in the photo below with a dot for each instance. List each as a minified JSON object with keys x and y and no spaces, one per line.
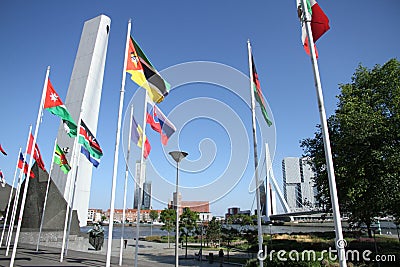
{"x":388,"y":228}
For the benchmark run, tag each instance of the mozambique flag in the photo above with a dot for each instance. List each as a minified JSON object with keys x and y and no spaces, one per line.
{"x":136,"y":136}
{"x":144,"y":74}
{"x":55,"y":106}
{"x":61,"y":160}
{"x":89,"y":142}
{"x":258,"y":93}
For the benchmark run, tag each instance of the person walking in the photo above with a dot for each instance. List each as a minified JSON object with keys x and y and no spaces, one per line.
{"x":221,"y":256}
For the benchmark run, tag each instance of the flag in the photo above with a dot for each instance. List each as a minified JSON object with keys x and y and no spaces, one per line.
{"x":2,"y":180}
{"x":159,"y":122}
{"x":55,"y":106}
{"x":2,"y":151}
{"x":36,"y":154}
{"x":258,"y":93}
{"x":93,"y":160}
{"x":319,"y":23}
{"x":61,"y":160}
{"x":23,"y":165}
{"x":89,"y":142}
{"x":136,"y":136}
{"x":144,"y":74}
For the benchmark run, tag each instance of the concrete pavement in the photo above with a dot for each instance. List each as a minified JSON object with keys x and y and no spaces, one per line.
{"x":81,"y":253}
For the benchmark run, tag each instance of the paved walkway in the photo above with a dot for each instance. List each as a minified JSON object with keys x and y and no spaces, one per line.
{"x":150,"y":254}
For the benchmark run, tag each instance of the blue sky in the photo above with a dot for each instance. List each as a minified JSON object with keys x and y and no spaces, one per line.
{"x":36,"y":34}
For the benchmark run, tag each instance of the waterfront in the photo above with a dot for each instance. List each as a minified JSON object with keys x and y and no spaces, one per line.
{"x":387,"y":228}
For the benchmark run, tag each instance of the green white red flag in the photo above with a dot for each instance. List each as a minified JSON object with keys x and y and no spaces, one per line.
{"x":319,"y":23}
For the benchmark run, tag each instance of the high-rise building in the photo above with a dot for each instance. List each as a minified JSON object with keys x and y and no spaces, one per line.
{"x":263,"y":199}
{"x":140,"y":180}
{"x":298,"y":187}
{"x":146,"y":201}
{"x":83,"y":101}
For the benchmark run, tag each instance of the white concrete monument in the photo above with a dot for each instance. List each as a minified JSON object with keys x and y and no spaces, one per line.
{"x":84,"y":94}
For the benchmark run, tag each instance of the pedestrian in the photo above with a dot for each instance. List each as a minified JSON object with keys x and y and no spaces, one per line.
{"x":221,"y":256}
{"x":125,"y":242}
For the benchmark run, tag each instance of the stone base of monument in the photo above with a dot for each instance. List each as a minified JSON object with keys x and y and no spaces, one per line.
{"x":54,"y":216}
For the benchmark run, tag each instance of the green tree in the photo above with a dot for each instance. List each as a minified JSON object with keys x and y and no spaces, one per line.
{"x":168,"y":217}
{"x":153,"y":216}
{"x":187,"y":224}
{"x":213,"y":230}
{"x":365,"y":139}
{"x":228,"y":234}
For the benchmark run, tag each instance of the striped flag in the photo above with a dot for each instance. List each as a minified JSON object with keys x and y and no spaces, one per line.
{"x":258,"y":93}
{"x":319,"y":23}
{"x":23,"y":165}
{"x":2,"y":180}
{"x":90,"y":147}
{"x":36,"y":153}
{"x":159,"y":122}
{"x":136,"y":136}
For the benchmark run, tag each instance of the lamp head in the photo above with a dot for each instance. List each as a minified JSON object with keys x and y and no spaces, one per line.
{"x":178,"y":155}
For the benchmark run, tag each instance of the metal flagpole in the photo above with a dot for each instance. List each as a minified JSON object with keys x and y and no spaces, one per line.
{"x":21,"y":212}
{"x":267,"y":184}
{"x":45,"y":198}
{"x":16,"y":198}
{"x":325,"y":134}
{"x":141,"y":178}
{"x":117,"y":140}
{"x":14,"y":211}
{"x":126,"y":184}
{"x":74,"y":164}
{"x":72,"y":206}
{"x":9,"y":199}
{"x":253,"y":105}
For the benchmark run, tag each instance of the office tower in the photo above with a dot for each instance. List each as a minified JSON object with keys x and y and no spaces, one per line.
{"x":298,"y":187}
{"x":139,"y":182}
{"x":146,"y":202}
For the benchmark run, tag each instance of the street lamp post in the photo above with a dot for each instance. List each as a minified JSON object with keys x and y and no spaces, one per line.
{"x":177,"y":156}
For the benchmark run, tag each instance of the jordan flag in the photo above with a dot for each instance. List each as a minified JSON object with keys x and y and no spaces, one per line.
{"x":55,"y":106}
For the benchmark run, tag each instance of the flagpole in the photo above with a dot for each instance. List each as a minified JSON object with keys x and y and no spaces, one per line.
{"x":74,"y":164}
{"x":9,"y":200}
{"x":141,"y":178}
{"x":325,"y":134}
{"x":72,"y":206}
{"x":16,"y":198}
{"x":267,"y":184}
{"x":126,"y":184}
{"x":14,"y":211}
{"x":116,"y":151}
{"x":45,"y":198}
{"x":21,"y":213}
{"x":253,"y":105}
